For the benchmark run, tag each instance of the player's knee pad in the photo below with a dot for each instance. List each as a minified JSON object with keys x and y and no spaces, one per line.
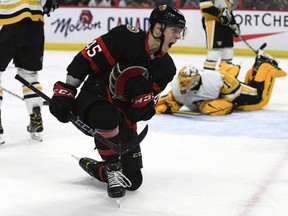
{"x":135,"y":178}
{"x":216,"y":107}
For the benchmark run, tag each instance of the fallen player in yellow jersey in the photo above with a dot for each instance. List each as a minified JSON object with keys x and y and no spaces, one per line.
{"x":219,"y":92}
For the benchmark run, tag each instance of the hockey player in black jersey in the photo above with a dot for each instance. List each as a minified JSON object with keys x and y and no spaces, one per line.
{"x":126,"y":70}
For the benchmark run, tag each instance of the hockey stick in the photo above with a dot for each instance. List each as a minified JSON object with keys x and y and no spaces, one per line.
{"x":119,"y":149}
{"x":193,"y":113}
{"x":245,"y":41}
{"x":19,"y":97}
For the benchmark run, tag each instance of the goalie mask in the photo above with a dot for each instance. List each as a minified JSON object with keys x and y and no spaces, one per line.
{"x":188,"y":77}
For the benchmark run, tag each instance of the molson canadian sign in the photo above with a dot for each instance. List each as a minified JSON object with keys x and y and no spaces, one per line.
{"x":81,"y":25}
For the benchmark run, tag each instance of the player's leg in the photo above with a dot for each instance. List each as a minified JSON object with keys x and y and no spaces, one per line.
{"x":8,"y":48}
{"x":29,"y":61}
{"x":262,"y":77}
{"x":105,"y":118}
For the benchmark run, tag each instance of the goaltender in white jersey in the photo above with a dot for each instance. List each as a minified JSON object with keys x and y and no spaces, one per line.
{"x":219,"y":92}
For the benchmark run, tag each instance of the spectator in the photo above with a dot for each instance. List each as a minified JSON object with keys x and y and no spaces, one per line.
{"x":122,"y":3}
{"x":101,"y":3}
{"x":190,"y":4}
{"x":172,"y":3}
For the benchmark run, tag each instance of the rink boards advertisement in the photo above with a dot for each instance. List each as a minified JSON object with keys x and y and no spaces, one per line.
{"x":69,"y":28}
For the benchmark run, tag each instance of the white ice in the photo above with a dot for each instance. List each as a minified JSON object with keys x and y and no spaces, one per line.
{"x":235,"y":165}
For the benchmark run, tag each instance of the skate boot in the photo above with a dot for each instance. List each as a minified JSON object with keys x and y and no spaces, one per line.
{"x":116,"y":181}
{"x":93,"y":168}
{"x":35,"y":127}
{"x":263,"y":57}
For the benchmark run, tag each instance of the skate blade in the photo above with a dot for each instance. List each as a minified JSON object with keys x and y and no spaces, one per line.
{"x":36,"y":136}
{"x":75,"y":157}
{"x":117,"y":200}
{"x":2,"y":141}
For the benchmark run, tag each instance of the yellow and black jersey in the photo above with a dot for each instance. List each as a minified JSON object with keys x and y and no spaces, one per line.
{"x":231,"y":88}
{"x":13,"y":11}
{"x":211,"y":9}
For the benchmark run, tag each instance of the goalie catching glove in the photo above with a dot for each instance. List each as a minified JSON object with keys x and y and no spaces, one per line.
{"x":62,"y":101}
{"x":167,"y":104}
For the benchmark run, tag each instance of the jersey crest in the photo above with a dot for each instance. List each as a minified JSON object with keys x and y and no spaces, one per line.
{"x":118,"y":79}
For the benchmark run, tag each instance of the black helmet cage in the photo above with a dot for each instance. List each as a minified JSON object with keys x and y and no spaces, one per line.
{"x":166,"y":15}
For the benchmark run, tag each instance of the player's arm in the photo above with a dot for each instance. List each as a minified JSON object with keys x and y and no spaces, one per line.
{"x":97,"y":56}
{"x":210,"y":12}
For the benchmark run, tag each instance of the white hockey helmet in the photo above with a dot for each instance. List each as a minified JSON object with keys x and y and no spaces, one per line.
{"x":188,"y":77}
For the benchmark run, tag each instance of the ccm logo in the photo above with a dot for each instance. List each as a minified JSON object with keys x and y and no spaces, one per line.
{"x":142,"y":100}
{"x":63,"y":92}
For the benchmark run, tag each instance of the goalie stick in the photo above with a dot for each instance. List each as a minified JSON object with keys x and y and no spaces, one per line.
{"x":245,"y":41}
{"x":194,"y":113}
{"x":119,"y":149}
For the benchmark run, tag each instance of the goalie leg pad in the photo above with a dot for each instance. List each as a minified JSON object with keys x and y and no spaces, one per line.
{"x":218,"y":107}
{"x":270,"y":74}
{"x":229,"y":68}
{"x":248,"y":76}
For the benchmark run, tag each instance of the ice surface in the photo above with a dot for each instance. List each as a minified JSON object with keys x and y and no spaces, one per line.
{"x":235,"y":165}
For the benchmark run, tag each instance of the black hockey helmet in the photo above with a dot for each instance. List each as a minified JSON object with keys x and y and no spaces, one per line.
{"x":167,"y":15}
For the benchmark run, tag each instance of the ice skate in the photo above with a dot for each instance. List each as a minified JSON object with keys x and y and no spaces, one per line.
{"x":117,"y":182}
{"x":91,"y":166}
{"x":263,"y":57}
{"x":2,"y":140}
{"x":35,"y":127}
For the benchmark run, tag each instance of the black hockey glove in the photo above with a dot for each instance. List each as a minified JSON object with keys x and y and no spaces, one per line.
{"x":142,"y":108}
{"x":225,"y":17}
{"x":62,"y":101}
{"x":235,"y":27}
{"x":50,"y":6}
{"x":140,"y":91}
